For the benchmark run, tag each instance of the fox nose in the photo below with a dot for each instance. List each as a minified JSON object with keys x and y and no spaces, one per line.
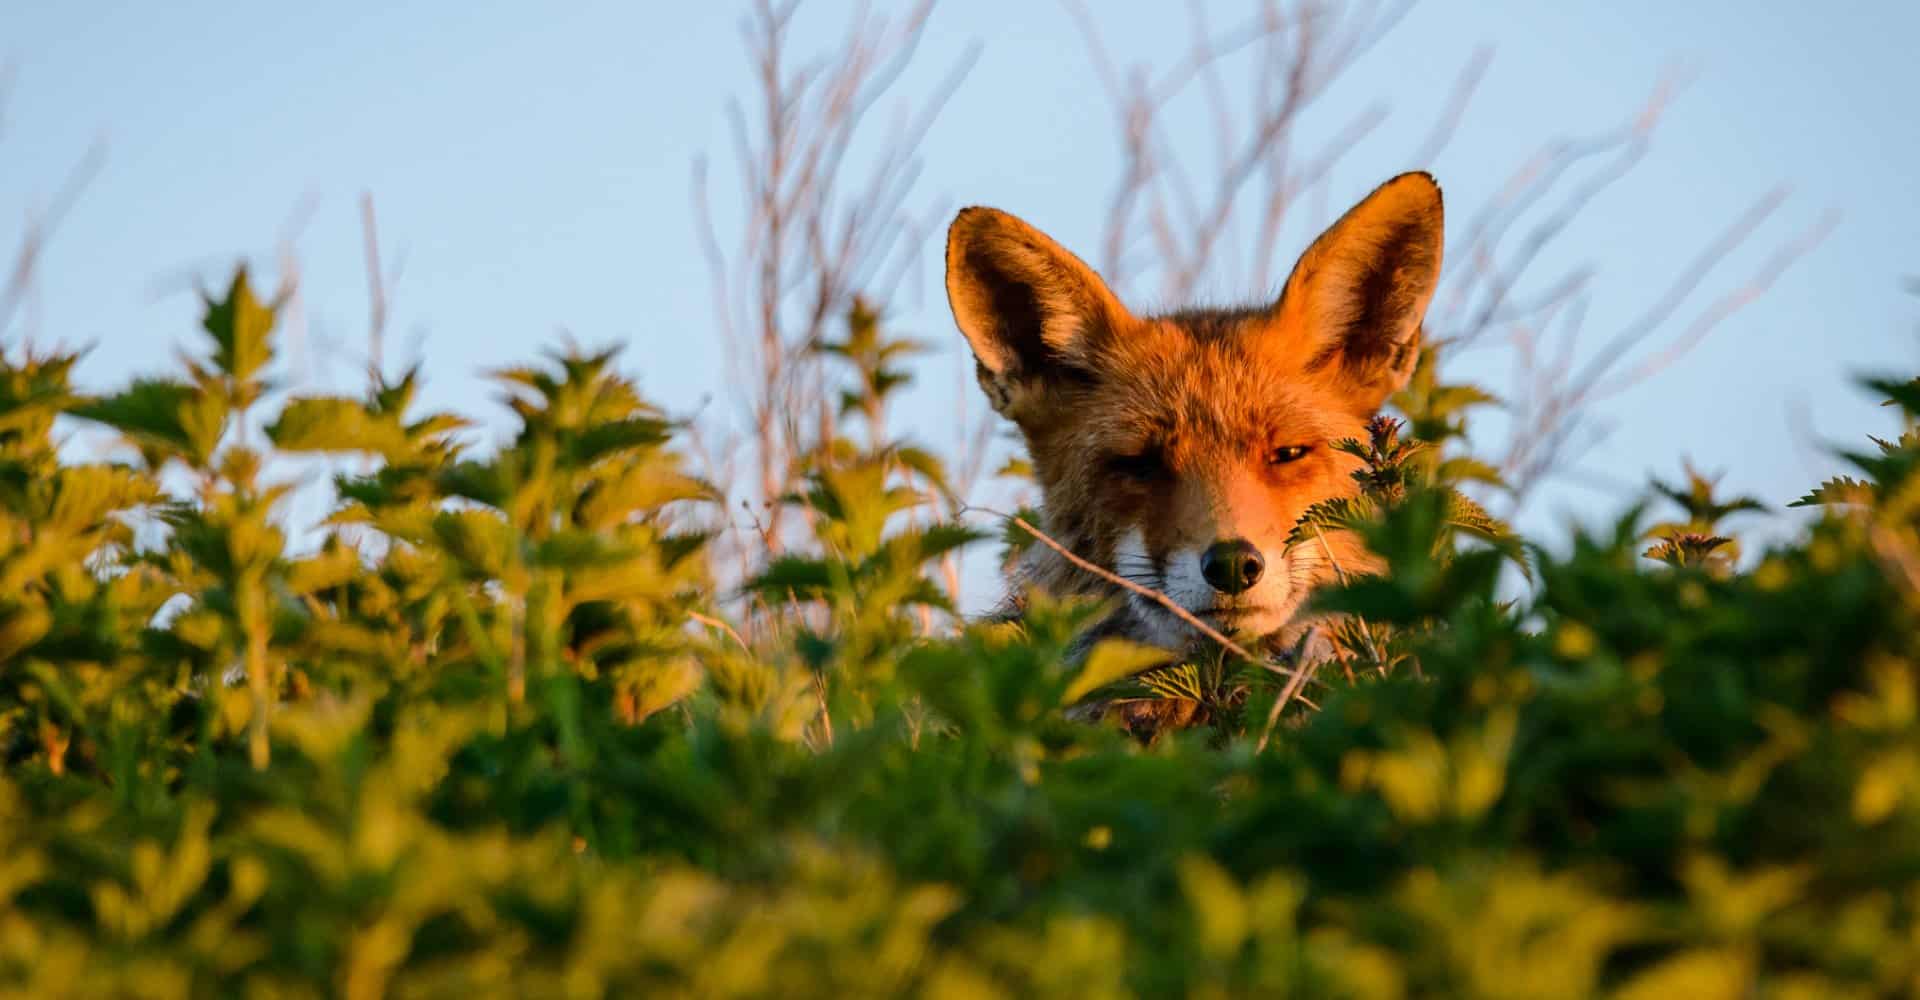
{"x":1232,"y":565}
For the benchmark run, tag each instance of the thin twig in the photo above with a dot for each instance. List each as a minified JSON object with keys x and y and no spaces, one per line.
{"x":376,"y":285}
{"x":1728,"y":304}
{"x":715,"y":623}
{"x":1447,"y":125}
{"x":823,"y":221}
{"x":1292,"y":688}
{"x":1147,"y":593}
{"x":826,"y":718}
{"x":40,"y":230}
{"x":1365,"y":632}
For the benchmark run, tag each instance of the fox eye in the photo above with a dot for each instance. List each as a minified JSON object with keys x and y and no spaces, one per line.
{"x":1290,"y":453}
{"x":1144,"y":466}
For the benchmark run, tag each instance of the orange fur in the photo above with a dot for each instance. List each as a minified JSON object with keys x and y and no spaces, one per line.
{"x":1154,"y":438}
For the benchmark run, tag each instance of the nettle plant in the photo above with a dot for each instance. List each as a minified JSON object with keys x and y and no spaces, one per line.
{"x":559,"y":553}
{"x":494,"y":728}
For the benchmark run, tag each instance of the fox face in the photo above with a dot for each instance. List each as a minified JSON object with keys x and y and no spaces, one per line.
{"x":1179,"y":451}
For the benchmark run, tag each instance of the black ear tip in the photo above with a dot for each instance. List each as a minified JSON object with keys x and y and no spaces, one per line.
{"x":966,"y":228}
{"x":974,"y":216}
{"x":1415,"y":183}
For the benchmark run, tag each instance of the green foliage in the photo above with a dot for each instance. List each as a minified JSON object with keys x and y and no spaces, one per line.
{"x":1695,"y":540}
{"x":497,"y":733}
{"x":1417,"y":524}
{"x":1436,"y":414}
{"x":1891,"y":469}
{"x":1396,"y":473}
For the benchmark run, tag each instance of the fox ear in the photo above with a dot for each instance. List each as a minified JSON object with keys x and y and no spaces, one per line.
{"x":1030,"y":309}
{"x":1361,"y":289}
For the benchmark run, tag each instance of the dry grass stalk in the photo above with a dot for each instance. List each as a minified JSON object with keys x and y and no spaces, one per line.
{"x":816,"y":231}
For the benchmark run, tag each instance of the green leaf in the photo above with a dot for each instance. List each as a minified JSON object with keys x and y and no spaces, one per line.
{"x":917,"y":546}
{"x":165,"y":418}
{"x":930,"y":468}
{"x":1015,"y":467}
{"x":332,"y":424}
{"x":1904,"y":393}
{"x":1109,"y":661}
{"x":1412,"y":598}
{"x":1686,"y":548}
{"x":482,"y":482}
{"x":1222,"y":917}
{"x":1335,"y":514}
{"x":612,"y":437}
{"x":240,"y":325}
{"x":1465,"y":469}
{"x":792,"y":576}
{"x":482,"y":542}
{"x":1839,"y":489}
{"x":1464,"y":514}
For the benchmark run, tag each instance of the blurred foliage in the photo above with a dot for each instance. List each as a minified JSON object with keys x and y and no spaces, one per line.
{"x":496,"y":734}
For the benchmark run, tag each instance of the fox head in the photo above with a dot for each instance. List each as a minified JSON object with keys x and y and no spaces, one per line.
{"x":1180,"y":450}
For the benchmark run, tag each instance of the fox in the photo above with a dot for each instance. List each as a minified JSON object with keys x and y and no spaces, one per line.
{"x":1179,"y":450}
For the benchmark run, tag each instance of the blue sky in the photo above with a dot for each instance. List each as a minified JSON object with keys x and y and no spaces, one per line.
{"x":531,"y":166}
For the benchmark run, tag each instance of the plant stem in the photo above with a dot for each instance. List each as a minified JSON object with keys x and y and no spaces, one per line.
{"x":259,"y":685}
